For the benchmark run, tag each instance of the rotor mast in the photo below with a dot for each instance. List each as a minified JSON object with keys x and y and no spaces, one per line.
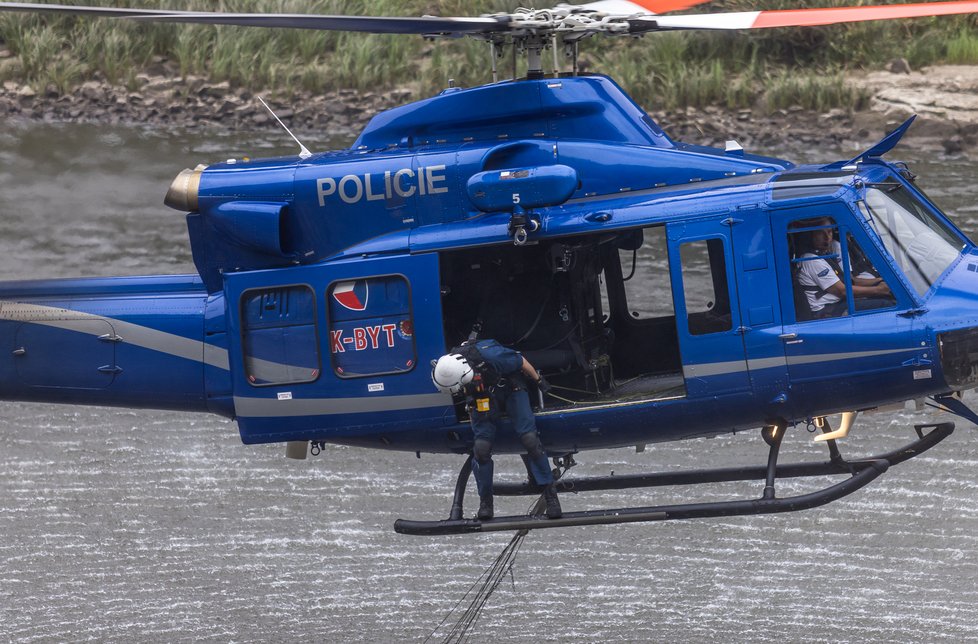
{"x":534,"y":57}
{"x":531,"y":31}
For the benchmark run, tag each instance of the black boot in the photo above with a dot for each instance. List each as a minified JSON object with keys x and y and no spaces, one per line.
{"x":553,"y":503}
{"x":485,"y":508}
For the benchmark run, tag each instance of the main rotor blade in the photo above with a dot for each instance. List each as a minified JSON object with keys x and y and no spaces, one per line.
{"x":368,"y":24}
{"x":610,"y":16}
{"x":371,"y":24}
{"x":800,"y":17}
{"x":108,"y":12}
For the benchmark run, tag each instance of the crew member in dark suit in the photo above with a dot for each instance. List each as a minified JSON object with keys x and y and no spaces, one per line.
{"x":494,"y":380}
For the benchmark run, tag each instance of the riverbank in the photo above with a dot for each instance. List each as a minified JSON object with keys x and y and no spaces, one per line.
{"x":945,"y":99}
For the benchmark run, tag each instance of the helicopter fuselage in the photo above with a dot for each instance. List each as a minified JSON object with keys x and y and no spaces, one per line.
{"x":656,"y":284}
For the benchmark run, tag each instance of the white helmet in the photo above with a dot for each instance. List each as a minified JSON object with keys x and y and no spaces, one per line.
{"x":451,"y":373}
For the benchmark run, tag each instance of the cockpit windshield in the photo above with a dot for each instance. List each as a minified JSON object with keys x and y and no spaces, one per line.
{"x":922,"y":245}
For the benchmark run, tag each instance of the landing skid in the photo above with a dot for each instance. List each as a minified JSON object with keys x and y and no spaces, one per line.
{"x":862,"y":472}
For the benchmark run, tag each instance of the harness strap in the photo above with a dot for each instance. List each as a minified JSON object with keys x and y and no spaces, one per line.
{"x":490,"y":377}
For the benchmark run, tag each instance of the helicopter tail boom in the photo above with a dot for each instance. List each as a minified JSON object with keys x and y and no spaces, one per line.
{"x":134,"y":341}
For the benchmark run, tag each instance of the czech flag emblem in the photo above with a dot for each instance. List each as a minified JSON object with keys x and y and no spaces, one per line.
{"x":352,"y":295}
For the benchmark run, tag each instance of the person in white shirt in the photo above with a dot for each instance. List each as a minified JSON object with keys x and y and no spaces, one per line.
{"x":820,"y":274}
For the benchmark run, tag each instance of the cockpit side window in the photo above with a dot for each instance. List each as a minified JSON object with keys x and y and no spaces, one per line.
{"x":816,"y":269}
{"x":922,"y":246}
{"x":827,"y":271}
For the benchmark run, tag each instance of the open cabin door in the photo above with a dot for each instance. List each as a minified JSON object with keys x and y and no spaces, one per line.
{"x":708,"y":319}
{"x":340,"y":350}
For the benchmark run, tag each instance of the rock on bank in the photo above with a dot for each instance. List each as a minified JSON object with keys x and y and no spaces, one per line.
{"x":944,"y":98}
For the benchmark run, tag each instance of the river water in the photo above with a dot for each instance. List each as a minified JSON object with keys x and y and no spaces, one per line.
{"x":120,"y":525}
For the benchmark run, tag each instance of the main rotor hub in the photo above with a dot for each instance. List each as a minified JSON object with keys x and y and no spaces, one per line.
{"x":564,"y":20}
{"x":531,"y":31}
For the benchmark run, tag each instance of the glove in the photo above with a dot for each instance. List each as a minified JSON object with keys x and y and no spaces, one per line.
{"x":543,"y":385}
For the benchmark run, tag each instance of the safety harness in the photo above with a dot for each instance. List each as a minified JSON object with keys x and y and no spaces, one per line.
{"x":488,"y":373}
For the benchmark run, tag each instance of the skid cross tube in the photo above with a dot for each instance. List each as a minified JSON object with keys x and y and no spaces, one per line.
{"x":862,"y":472}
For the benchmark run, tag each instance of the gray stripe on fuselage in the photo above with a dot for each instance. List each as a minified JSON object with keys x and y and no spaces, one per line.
{"x":140,"y":336}
{"x":251,"y":407}
{"x":722,"y":368}
{"x":766,"y":363}
{"x":850,"y":355}
{"x":272,"y":408}
{"x":706,"y":369}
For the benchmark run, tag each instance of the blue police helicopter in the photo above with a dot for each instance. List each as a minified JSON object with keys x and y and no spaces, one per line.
{"x":667,"y":290}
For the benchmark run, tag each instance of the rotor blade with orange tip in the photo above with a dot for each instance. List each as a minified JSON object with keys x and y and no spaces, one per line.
{"x":800,"y":17}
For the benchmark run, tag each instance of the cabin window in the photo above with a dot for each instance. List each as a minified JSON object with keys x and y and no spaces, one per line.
{"x":705,"y":286}
{"x":921,"y":245}
{"x":826,"y":273}
{"x":279,"y":335}
{"x":645,"y":273}
{"x":371,"y":330}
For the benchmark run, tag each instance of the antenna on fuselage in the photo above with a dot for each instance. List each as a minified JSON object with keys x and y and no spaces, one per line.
{"x":304,"y":152}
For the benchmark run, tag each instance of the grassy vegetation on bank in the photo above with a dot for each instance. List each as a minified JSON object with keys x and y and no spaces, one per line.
{"x":770,"y":69}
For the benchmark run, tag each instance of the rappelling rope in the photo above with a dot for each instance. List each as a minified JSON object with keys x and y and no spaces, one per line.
{"x":479,"y":593}
{"x":489,"y":580}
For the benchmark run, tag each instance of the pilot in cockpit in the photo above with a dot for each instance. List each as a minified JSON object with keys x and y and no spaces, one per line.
{"x":819,"y":275}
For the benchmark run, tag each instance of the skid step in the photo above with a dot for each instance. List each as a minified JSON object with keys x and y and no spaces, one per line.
{"x":861,"y":472}
{"x":655,"y":513}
